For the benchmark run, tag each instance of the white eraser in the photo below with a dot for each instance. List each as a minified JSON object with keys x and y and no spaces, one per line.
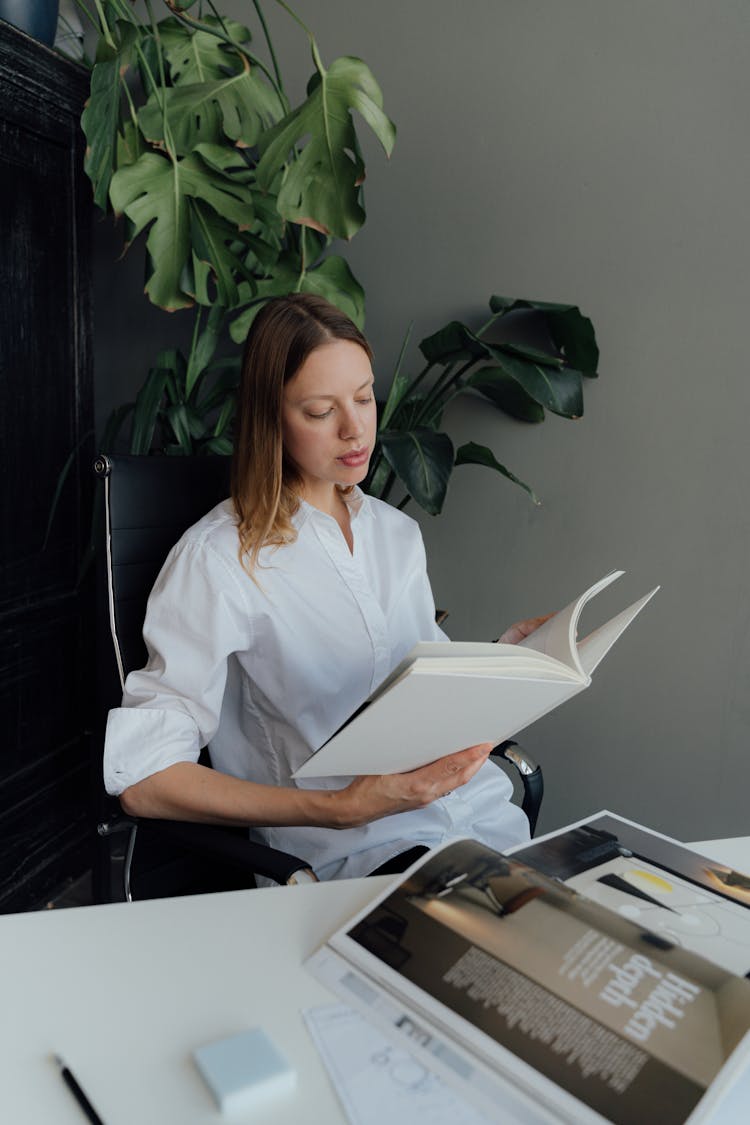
{"x":244,"y":1070}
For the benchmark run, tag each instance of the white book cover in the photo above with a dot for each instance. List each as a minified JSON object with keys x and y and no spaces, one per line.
{"x":446,"y":696}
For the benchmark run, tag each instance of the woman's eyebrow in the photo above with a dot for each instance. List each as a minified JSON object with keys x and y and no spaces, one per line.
{"x":361,"y":387}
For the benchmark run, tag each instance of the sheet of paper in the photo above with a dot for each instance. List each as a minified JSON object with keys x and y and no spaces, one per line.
{"x":379,"y":1082}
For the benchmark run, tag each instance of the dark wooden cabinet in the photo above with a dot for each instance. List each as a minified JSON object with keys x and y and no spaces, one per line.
{"x":46,"y":611}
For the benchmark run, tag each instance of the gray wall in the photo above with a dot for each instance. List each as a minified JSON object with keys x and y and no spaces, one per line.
{"x":598,"y":153}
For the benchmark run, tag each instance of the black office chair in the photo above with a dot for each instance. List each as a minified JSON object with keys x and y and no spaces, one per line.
{"x":148,"y":503}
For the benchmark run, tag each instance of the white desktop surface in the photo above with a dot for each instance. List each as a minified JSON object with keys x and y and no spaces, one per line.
{"x":125,"y":992}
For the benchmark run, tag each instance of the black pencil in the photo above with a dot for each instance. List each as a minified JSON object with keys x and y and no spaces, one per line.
{"x":71,"y":1082}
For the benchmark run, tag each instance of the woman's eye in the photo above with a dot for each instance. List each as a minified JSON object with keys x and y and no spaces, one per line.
{"x":364,"y":401}
{"x":323,"y":415}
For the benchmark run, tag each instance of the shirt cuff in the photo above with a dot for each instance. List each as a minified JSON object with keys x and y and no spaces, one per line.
{"x":141,"y":741}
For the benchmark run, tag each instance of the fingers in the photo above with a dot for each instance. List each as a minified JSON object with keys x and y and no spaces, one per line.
{"x":523,"y":629}
{"x":369,"y":798}
{"x":449,"y":773}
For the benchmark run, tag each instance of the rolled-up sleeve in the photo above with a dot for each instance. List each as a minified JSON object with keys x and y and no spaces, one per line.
{"x":197,"y":616}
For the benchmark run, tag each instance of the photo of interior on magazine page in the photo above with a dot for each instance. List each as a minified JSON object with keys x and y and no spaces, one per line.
{"x":615,"y":1015}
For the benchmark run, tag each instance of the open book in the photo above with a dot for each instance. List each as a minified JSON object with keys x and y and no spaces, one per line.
{"x":446,"y":696}
{"x":540,"y":1004}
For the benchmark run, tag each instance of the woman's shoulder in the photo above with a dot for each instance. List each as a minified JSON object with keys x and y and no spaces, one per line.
{"x":216,"y":531}
{"x":209,"y":549}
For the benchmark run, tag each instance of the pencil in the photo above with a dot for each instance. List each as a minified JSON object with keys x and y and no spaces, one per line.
{"x":77,"y":1091}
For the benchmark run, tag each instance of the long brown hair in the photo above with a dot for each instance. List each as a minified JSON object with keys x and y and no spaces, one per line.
{"x":282,"y":336}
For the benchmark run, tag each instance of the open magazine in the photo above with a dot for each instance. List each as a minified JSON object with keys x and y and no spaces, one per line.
{"x":541,"y":1004}
{"x":448,"y":695}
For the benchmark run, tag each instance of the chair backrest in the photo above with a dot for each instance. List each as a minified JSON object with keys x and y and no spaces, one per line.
{"x":149,"y":503}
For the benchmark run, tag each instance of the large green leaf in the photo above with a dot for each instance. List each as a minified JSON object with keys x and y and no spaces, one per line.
{"x":212,"y":239}
{"x":155,"y":192}
{"x":525,"y":351}
{"x":506,"y":393}
{"x":558,"y":388}
{"x":260,"y":246}
{"x":101,"y":116}
{"x":203,"y":346}
{"x":179,"y":419}
{"x":225,"y":417}
{"x":473,"y":454}
{"x":377,"y":477}
{"x":423,"y":462}
{"x":146,"y":412}
{"x":571,"y":332}
{"x":332,"y":279}
{"x":198,"y":56}
{"x":453,"y":344}
{"x":221,"y":445}
{"x":400,"y":385}
{"x":318,"y":144}
{"x":129,"y":146}
{"x":239,"y":106}
{"x":415,"y":410}
{"x":217,"y":384}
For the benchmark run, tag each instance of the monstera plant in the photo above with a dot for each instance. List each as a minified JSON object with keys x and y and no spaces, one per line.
{"x":193,"y":141}
{"x":192,"y":138}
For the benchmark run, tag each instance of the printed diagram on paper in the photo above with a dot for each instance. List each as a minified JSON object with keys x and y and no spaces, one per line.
{"x":379,"y":1082}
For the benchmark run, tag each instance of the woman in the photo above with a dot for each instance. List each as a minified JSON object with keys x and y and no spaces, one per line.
{"x":279,"y":612}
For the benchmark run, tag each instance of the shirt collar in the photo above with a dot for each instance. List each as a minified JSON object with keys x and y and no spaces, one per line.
{"x":357,"y":501}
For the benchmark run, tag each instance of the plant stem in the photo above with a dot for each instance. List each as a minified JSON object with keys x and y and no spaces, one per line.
{"x":296,"y":19}
{"x":193,"y":345}
{"x":131,"y":103}
{"x":442,"y":384}
{"x":104,"y":25}
{"x":168,"y":140}
{"x":415,"y":383}
{"x":388,"y":486}
{"x":302,"y":256}
{"x":269,"y":44}
{"x":489,"y":323}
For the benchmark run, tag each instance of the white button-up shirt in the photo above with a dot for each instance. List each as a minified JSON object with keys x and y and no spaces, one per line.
{"x":264,"y":672}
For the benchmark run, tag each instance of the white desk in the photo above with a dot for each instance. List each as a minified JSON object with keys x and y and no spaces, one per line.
{"x":125,"y":992}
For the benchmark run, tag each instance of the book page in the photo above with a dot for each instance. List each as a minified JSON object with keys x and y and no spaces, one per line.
{"x":593,"y":648}
{"x":558,"y":636}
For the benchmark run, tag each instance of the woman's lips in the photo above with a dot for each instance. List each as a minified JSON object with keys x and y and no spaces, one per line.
{"x":355,"y":458}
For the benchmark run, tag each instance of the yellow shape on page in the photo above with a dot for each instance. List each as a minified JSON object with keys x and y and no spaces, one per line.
{"x":648,"y":882}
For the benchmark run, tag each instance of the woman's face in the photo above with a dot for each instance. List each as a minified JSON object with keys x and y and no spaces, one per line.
{"x":329,"y":419}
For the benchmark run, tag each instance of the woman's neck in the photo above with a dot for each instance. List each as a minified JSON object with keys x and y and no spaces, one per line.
{"x":332,"y":503}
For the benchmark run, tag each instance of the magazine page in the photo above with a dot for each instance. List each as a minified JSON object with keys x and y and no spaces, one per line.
{"x":655,"y":881}
{"x":578,"y":1004}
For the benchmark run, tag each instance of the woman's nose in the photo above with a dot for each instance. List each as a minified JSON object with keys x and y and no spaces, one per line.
{"x":351,"y":424}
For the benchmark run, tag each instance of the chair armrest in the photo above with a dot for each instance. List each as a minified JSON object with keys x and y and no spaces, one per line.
{"x":229,"y":846}
{"x":531,"y":778}
{"x":232,"y":846}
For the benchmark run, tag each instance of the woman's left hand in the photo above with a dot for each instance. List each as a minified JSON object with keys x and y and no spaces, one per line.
{"x":522,"y":629}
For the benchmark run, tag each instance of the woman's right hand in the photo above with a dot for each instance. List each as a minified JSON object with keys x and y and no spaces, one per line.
{"x":372,"y":797}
